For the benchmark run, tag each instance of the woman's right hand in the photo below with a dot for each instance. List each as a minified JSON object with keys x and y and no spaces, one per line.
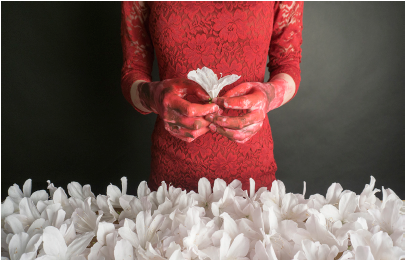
{"x":182,"y":119}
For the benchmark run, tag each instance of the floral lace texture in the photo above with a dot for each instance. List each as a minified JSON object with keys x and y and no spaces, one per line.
{"x":230,"y":38}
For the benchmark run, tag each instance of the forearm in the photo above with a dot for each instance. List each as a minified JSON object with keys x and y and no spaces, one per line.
{"x":282,"y":89}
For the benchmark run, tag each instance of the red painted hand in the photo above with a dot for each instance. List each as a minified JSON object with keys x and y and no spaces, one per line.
{"x":258,"y":98}
{"x":183,"y":119}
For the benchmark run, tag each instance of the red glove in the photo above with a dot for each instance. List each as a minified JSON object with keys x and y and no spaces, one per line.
{"x":258,"y":98}
{"x":183,"y":119}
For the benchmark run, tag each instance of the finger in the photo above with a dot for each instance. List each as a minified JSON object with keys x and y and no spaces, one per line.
{"x":183,"y":133}
{"x":192,"y":123}
{"x":193,"y":88}
{"x":239,"y":90}
{"x":255,"y":99}
{"x":237,"y":122}
{"x":237,"y":135}
{"x":186,"y":108}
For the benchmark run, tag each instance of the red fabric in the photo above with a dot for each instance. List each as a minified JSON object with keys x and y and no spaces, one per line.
{"x":229,"y":38}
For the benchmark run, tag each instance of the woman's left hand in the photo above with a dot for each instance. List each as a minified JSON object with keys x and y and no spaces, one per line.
{"x":258,"y":98}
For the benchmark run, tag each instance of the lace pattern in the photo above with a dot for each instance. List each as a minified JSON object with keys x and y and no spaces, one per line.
{"x":229,"y":38}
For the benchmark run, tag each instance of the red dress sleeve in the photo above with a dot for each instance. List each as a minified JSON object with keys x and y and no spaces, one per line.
{"x":285,"y":52}
{"x":138,"y":51}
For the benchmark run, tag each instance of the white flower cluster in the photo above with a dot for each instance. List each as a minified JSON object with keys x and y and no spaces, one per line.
{"x":219,"y":223}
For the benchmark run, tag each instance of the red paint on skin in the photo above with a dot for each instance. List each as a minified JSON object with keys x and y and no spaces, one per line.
{"x":166,"y":99}
{"x":253,"y":96}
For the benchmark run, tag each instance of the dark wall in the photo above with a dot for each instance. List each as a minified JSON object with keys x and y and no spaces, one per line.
{"x":64,"y":117}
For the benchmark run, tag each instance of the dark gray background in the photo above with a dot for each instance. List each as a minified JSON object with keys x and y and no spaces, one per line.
{"x":64,"y":117}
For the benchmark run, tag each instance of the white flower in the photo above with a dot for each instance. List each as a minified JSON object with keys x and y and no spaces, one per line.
{"x":238,"y":249}
{"x":22,"y":246}
{"x":367,"y":198}
{"x":206,"y":78}
{"x":346,"y":209}
{"x":106,"y":242}
{"x":205,"y":196}
{"x":85,"y":219}
{"x":389,"y":219}
{"x":275,"y":196}
{"x":264,"y":253}
{"x":114,"y":193}
{"x":77,"y":191}
{"x":316,"y":251}
{"x":59,"y":196}
{"x":16,"y":195}
{"x":381,"y":245}
{"x":56,"y":249}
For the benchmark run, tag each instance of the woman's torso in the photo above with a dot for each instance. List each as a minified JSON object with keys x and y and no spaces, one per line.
{"x":229,"y":38}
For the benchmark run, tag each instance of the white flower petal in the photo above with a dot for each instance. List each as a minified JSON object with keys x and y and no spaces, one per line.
{"x":103,"y":230}
{"x":333,"y":193}
{"x":39,"y":195}
{"x":363,"y":253}
{"x":17,"y":245}
{"x":54,"y":244}
{"x":123,"y":250}
{"x":239,"y":247}
{"x":27,"y":188}
{"x":79,"y":245}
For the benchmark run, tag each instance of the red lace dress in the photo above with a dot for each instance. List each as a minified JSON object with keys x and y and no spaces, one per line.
{"x":229,"y":38}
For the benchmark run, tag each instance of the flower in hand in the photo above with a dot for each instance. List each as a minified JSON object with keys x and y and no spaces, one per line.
{"x":258,"y":98}
{"x":183,"y":119}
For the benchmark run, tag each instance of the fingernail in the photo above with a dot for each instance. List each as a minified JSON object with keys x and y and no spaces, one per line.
{"x":212,"y":127}
{"x":209,"y":117}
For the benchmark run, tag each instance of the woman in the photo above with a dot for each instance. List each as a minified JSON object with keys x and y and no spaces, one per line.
{"x":229,"y":138}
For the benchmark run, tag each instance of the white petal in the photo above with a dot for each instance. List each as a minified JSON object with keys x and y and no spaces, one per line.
{"x":177,"y":255}
{"x":39,"y":195}
{"x":17,"y":245}
{"x":380,"y":244}
{"x":34,"y":243}
{"x":103,"y":230}
{"x":219,"y":185}
{"x":347,"y":204}
{"x":310,"y":249}
{"x":114,"y":193}
{"x":143,"y":189}
{"x":128,"y":234}
{"x":229,"y":225}
{"x":13,"y":223}
{"x":330,"y":212}
{"x":54,"y":244}
{"x":224,"y":245}
{"x":333,"y":193}
{"x":363,"y":253}
{"x":7,"y":208}
{"x":37,"y":227}
{"x":204,"y":187}
{"x":123,"y":185}
{"x":123,"y":250}
{"x":28,"y":209}
{"x":360,"y":238}
{"x":27,"y":188}
{"x":79,"y":245}
{"x":239,"y":247}
{"x":15,"y":193}
{"x":75,"y":190}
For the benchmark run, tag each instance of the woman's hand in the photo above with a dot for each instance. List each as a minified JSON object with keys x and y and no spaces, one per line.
{"x":258,"y":98}
{"x":182,"y":119}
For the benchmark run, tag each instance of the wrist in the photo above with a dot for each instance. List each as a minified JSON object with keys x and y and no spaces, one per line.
{"x":277,"y":87}
{"x":147,"y":92}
